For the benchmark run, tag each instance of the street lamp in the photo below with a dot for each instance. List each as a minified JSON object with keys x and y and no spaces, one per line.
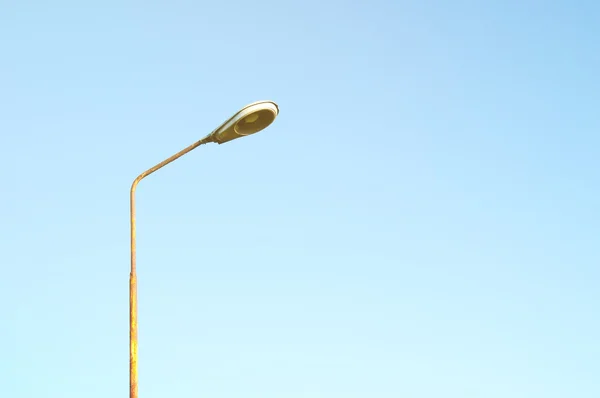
{"x":248,"y":120}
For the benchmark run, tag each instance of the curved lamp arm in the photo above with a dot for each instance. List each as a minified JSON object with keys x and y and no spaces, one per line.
{"x":147,"y":173}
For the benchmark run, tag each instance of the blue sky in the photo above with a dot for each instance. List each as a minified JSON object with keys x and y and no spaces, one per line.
{"x":420,"y":221}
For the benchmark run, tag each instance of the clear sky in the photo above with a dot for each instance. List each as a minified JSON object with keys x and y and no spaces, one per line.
{"x":420,"y":221}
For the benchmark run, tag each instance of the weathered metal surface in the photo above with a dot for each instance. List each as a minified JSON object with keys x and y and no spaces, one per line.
{"x":133,"y":377}
{"x":133,"y":325}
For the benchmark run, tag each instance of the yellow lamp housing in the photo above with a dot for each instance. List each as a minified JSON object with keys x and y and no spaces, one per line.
{"x":249,"y":120}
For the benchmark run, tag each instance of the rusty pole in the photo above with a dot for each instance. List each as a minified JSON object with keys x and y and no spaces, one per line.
{"x":133,"y":324}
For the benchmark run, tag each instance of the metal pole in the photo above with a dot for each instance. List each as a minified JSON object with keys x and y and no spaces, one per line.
{"x":133,"y":324}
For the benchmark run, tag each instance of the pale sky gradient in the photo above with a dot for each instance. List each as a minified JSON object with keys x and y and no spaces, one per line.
{"x":422,"y":219}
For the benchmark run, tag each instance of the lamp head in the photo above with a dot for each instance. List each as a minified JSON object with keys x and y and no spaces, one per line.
{"x":249,"y":120}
